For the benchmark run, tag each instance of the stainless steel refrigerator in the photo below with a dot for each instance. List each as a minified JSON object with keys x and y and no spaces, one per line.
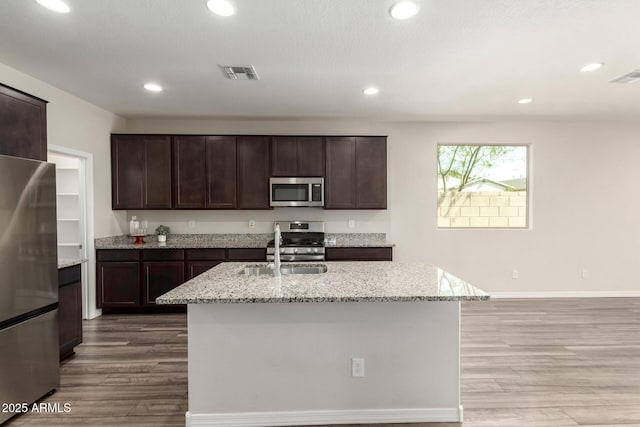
{"x":29,"y":364}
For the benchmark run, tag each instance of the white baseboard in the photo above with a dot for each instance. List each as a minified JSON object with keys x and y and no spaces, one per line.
{"x":574,"y":294}
{"x":305,"y":418}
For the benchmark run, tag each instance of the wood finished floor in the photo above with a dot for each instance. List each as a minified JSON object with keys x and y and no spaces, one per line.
{"x":525,"y":363}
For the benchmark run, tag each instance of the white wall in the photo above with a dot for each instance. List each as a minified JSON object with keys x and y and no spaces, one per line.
{"x":291,"y":363}
{"x":583,"y":167}
{"x":77,"y":124}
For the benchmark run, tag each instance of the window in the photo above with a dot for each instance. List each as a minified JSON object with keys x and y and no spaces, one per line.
{"x":482,"y":186}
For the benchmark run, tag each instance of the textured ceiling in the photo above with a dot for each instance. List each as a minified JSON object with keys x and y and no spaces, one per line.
{"x":458,"y":59}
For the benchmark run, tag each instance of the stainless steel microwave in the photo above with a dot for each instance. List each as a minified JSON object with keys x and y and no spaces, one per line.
{"x":296,"y":192}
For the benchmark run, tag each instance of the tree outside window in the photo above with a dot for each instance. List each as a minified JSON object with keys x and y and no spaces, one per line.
{"x":482,"y":186}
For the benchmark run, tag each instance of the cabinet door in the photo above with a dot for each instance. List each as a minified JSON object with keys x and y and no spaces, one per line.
{"x":221,"y":172}
{"x":157,"y":171}
{"x":69,"y":309}
{"x":23,"y":125}
{"x":253,"y":172}
{"x":310,"y":156}
{"x":189,"y":172}
{"x":160,"y":277}
{"x":127,"y":154}
{"x":118,"y":284}
{"x":195,"y":268}
{"x":340,"y":176}
{"x":371,"y":172}
{"x":359,"y":254}
{"x":284,"y":156}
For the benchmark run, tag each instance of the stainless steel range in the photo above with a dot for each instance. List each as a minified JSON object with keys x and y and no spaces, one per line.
{"x":301,"y":241}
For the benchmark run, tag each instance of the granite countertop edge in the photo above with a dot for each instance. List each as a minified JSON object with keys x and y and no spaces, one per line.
{"x":358,"y":281}
{"x":63,"y":263}
{"x":320,"y":299}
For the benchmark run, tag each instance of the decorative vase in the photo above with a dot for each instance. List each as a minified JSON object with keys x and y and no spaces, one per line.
{"x":162,"y":238}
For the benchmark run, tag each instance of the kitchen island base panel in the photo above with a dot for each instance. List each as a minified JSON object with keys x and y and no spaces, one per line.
{"x":325,"y":418}
{"x":285,"y":364}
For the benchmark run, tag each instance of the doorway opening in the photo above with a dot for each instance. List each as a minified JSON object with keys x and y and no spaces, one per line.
{"x":74,"y":204}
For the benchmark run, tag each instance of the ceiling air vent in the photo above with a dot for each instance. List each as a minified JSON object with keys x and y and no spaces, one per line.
{"x":631,"y":77}
{"x":235,"y":72}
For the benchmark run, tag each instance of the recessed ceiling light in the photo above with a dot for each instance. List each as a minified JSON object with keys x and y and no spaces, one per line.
{"x":591,"y":67}
{"x":221,"y":7}
{"x":525,"y":100}
{"x":152,"y":87}
{"x":404,"y":10}
{"x":371,"y":91}
{"x":55,"y":5}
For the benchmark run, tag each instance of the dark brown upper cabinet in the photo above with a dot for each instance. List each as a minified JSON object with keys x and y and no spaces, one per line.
{"x":293,"y":156}
{"x":189,"y":172}
{"x":232,"y":172}
{"x":371,"y":172}
{"x":340,"y":175}
{"x":204,"y":172}
{"x":356,"y":173}
{"x":221,"y":172}
{"x":141,"y":171}
{"x":23,"y":125}
{"x":253,"y":172}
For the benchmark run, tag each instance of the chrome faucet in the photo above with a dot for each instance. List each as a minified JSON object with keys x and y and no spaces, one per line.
{"x":277,"y":240}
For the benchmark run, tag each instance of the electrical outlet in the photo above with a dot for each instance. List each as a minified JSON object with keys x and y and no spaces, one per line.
{"x":191,"y":223}
{"x":584,"y":273}
{"x":357,"y":367}
{"x":515,"y":274}
{"x":352,"y":223}
{"x":252,"y":224}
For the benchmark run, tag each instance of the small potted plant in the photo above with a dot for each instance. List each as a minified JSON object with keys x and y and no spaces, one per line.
{"x":162,"y":231}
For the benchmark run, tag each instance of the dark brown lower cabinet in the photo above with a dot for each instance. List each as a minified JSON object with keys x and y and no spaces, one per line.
{"x":201,"y":260}
{"x":160,"y":277}
{"x":130,"y":280}
{"x":118,"y":284}
{"x":69,"y":309}
{"x":359,"y":254}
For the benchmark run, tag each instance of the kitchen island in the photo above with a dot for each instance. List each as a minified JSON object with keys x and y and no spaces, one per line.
{"x":364,"y":342}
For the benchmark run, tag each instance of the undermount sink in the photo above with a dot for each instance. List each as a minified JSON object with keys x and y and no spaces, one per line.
{"x":304,"y":269}
{"x":257,"y":270}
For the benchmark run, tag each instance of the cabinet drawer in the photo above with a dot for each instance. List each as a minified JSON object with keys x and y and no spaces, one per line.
{"x":195,"y":268}
{"x":118,"y":255}
{"x":163,"y":254}
{"x":250,"y":254}
{"x":359,"y":254}
{"x":69,"y":275}
{"x":206,"y":254}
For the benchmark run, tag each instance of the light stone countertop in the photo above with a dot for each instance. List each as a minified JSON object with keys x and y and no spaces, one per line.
{"x":238,"y":240}
{"x":62,"y":263}
{"x":377,"y":281}
{"x":188,"y":241}
{"x":357,"y":240}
